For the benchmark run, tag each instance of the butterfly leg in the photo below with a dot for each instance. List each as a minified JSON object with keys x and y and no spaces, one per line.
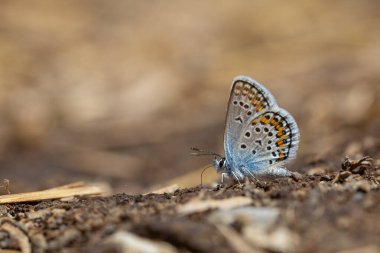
{"x":222,"y":180}
{"x":250,"y":173}
{"x":225,"y":174}
{"x":237,"y":179}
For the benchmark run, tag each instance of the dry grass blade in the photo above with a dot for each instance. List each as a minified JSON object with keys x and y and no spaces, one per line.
{"x":68,"y":186}
{"x":166,"y":189}
{"x":74,"y":189}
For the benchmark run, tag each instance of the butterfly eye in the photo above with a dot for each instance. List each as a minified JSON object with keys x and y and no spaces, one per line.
{"x":221,"y":163}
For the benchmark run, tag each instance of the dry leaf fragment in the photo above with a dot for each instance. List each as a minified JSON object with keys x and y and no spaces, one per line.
{"x":204,"y":205}
{"x":132,"y":243}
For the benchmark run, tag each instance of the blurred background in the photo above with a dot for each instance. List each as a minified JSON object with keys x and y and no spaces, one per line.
{"x":118,"y":91}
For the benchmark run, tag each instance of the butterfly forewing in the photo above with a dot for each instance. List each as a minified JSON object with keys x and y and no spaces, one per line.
{"x":248,"y":99}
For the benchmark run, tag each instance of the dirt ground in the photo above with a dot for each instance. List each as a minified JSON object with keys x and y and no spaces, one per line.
{"x":117,"y":92}
{"x":329,"y":209}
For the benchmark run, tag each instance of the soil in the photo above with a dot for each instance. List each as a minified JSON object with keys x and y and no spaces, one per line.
{"x":327,"y":210}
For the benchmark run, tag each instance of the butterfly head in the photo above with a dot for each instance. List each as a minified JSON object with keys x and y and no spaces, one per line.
{"x":220,"y":164}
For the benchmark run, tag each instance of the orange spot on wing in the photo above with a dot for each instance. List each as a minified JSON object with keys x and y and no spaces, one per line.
{"x":255,"y":102}
{"x":273,"y":122}
{"x":254,"y":122}
{"x":264,"y":120}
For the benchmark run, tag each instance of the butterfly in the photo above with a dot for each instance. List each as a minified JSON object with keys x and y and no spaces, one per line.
{"x":260,"y":137}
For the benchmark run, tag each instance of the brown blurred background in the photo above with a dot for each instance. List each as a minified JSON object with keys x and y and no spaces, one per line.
{"x":118,"y":91}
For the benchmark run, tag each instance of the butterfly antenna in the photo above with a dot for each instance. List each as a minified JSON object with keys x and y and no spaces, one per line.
{"x":199,"y":152}
{"x":203,"y":172}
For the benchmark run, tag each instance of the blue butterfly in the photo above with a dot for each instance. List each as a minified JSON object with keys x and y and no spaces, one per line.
{"x":260,"y":137}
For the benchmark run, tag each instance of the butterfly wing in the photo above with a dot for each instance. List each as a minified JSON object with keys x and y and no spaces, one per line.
{"x":258,"y":134}
{"x":248,"y":99}
{"x":271,"y":140}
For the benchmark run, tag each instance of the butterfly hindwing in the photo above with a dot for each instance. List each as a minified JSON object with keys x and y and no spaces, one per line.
{"x":269,"y":141}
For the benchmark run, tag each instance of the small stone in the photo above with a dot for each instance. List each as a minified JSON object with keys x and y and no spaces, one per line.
{"x":325,"y":178}
{"x":296,"y":176}
{"x":341,"y":176}
{"x":345,"y":174}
